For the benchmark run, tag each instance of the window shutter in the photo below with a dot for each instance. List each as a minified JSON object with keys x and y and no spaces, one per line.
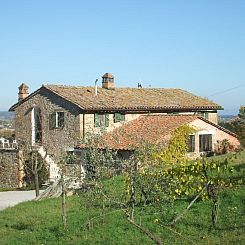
{"x":96,"y":120}
{"x":107,"y":119}
{"x":117,"y":117}
{"x":52,"y":120}
{"x":210,"y":142}
{"x":123,"y":117}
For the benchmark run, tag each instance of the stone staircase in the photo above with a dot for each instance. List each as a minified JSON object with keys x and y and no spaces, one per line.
{"x":54,"y":174}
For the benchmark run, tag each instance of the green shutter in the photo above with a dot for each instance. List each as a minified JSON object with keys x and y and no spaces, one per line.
{"x":96,"y":120}
{"x":123,"y":117}
{"x":52,"y":120}
{"x":117,"y":117}
{"x":107,"y":119}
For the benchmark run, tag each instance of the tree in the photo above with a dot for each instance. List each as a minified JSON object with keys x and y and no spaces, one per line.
{"x":241,"y":125}
{"x":35,"y":170}
{"x":237,"y":125}
{"x":241,"y":113}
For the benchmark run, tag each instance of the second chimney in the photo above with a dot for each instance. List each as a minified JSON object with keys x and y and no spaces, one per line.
{"x":108,"y":81}
{"x":23,"y":91}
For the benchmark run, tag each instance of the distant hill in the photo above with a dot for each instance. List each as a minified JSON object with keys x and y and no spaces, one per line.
{"x":225,"y":118}
{"x":6,"y":115}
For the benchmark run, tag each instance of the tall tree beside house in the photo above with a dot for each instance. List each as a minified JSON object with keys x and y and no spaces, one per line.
{"x":241,"y":114}
{"x":241,"y":125}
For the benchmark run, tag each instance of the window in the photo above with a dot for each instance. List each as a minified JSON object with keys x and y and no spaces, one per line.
{"x":70,"y":157}
{"x":205,"y":142}
{"x":118,"y":117}
{"x":101,"y":120}
{"x":57,"y":120}
{"x":191,"y":143}
{"x":60,"y":119}
{"x":36,"y":118}
{"x":203,"y":114}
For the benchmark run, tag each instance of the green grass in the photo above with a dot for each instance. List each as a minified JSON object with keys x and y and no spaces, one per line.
{"x":40,"y":222}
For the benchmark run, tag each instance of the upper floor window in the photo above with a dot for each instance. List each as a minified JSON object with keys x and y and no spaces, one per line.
{"x":118,"y":117}
{"x":57,"y":120}
{"x":101,"y":120}
{"x":36,"y":119}
{"x":191,"y":143}
{"x":205,"y":142}
{"x":204,"y":114}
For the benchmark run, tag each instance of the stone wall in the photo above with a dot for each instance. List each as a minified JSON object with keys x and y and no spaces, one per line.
{"x":55,"y":140}
{"x":9,"y":168}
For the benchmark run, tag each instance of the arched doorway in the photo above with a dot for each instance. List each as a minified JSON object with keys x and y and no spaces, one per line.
{"x":36,"y":126}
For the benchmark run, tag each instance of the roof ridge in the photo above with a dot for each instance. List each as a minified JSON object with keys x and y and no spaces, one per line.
{"x":171,"y":115}
{"x":91,"y":86}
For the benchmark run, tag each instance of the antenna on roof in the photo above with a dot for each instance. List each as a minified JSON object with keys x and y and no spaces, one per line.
{"x":96,"y":89}
{"x":140,"y":84}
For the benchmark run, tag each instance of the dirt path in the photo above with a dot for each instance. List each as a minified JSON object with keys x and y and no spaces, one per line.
{"x":11,"y":198}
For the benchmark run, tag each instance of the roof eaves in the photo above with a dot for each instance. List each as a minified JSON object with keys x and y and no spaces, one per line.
{"x":155,"y":108}
{"x":218,"y":126}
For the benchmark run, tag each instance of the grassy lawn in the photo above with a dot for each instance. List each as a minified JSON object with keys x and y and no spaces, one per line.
{"x":40,"y":222}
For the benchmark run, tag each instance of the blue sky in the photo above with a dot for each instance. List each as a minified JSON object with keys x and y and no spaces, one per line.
{"x":194,"y":45}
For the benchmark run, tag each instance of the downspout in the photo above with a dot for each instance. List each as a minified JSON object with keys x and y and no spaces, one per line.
{"x":83,"y":125}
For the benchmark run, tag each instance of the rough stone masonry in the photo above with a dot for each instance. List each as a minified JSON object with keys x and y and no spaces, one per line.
{"x":10,"y":168}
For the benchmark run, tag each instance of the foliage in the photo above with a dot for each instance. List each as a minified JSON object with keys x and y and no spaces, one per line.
{"x":7,"y":133}
{"x":176,"y":151}
{"x":223,"y":147}
{"x":164,"y":175}
{"x":39,"y":222}
{"x":237,"y":125}
{"x":158,"y":178}
{"x":241,"y":113}
{"x":34,"y":162}
{"x":99,"y":163}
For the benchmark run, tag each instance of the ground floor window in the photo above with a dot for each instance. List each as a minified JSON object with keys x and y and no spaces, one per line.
{"x":205,"y":142}
{"x":191,"y":143}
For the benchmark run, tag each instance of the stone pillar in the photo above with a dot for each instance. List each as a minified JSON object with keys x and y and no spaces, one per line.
{"x":21,"y":173}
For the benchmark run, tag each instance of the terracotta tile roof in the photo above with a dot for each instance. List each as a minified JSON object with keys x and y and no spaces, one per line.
{"x":152,"y":129}
{"x":131,"y":98}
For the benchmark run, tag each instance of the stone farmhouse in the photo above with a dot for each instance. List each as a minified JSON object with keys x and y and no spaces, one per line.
{"x":54,"y":118}
{"x":157,"y":129}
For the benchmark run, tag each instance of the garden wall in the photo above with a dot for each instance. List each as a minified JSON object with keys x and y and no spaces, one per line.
{"x":10,"y":168}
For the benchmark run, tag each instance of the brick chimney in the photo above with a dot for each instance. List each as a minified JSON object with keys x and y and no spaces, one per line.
{"x":23,"y":91}
{"x":108,"y":81}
